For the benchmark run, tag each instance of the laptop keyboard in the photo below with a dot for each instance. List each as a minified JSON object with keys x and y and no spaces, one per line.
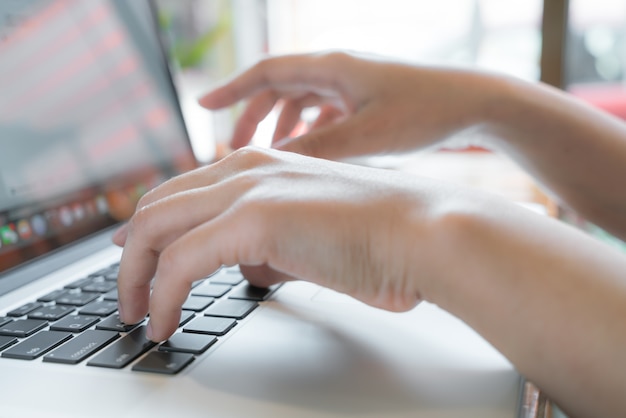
{"x":80,"y":324}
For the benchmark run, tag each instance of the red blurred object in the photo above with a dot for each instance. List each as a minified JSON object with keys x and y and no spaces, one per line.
{"x":610,"y":97}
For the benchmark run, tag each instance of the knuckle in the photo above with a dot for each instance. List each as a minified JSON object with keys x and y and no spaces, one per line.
{"x":336,"y":58}
{"x":145,"y":200}
{"x":141,"y":221}
{"x":263,"y":69}
{"x":245,"y":181}
{"x":250,"y":157}
{"x":263,"y":64}
{"x":176,"y":273}
{"x":169,"y":264}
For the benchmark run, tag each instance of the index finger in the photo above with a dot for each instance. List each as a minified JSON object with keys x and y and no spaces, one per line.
{"x":316,"y":73}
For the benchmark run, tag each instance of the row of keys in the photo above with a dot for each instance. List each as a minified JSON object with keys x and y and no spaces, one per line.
{"x":61,"y":344}
{"x":120,"y":354}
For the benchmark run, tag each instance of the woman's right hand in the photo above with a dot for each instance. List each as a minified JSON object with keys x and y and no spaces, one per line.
{"x":367,"y":107}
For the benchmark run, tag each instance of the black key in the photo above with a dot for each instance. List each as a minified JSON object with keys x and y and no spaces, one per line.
{"x":76,"y":299}
{"x":163,"y":362}
{"x":74,"y":323}
{"x":102,"y":272}
{"x":197,"y":283}
{"x":111,"y":276}
{"x":113,"y":323}
{"x":249,"y":292}
{"x":185,"y":316}
{"x":22,"y":328}
{"x":226,"y":278}
{"x":122,"y":352}
{"x":197,"y":303}
{"x":101,"y":308}
{"x":81,"y":347}
{"x":24,"y":309}
{"x":232,"y":308}
{"x":37,"y":345}
{"x":79,"y":283}
{"x":211,"y":290}
{"x":112,"y":295}
{"x":210,"y":325}
{"x":51,"y":313}
{"x":188,"y":343}
{"x":52,"y":296}
{"x":4,"y":320}
{"x":99,"y":287}
{"x":6,"y":342}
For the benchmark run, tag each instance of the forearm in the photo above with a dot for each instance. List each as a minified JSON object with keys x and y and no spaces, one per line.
{"x":575,"y":151}
{"x":548,"y":297}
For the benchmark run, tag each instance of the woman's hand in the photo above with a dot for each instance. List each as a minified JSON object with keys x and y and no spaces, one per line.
{"x":530,"y":285}
{"x":281,"y":216}
{"x":366,"y":107}
{"x":375,"y":107}
{"x":527,"y":283}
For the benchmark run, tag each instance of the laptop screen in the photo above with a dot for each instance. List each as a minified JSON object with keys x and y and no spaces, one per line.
{"x":89,"y":120}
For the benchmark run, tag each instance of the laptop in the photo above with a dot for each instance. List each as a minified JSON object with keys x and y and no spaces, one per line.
{"x":89,"y":121}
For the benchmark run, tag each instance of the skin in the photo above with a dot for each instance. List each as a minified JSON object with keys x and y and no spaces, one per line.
{"x":547,"y":296}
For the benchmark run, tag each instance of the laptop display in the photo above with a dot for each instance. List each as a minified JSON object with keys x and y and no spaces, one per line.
{"x":87,"y":123}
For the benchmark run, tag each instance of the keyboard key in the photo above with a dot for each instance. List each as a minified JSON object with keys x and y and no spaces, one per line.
{"x":188,"y":343}
{"x":123,"y":351}
{"x":249,"y":292}
{"x":79,"y":283}
{"x":51,"y":313}
{"x":113,"y":323}
{"x":163,"y":362}
{"x":210,"y":325}
{"x":102,"y":272}
{"x":37,"y":345}
{"x":24,"y":309}
{"x":232,"y":308}
{"x":197,"y":303}
{"x":197,"y":283}
{"x":81,"y":347}
{"x":5,"y":320}
{"x":6,"y":342}
{"x":52,"y":296}
{"x":100,"y":308}
{"x":76,"y":299}
{"x":112,"y":295}
{"x":185,"y":316}
{"x":99,"y":287}
{"x":75,"y":323}
{"x":211,"y":290}
{"x":22,"y":328}
{"x":227,"y":278}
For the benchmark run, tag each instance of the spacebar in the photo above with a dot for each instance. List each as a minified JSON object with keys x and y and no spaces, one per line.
{"x":123,"y":351}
